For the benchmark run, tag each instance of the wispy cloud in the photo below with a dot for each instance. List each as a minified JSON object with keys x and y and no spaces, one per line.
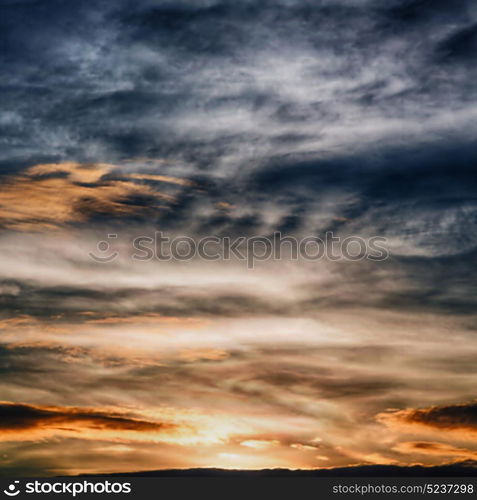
{"x":32,"y":423}
{"x":460,"y":419}
{"x":58,"y":194}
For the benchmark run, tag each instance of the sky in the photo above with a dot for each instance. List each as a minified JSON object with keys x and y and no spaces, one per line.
{"x":230,"y":119}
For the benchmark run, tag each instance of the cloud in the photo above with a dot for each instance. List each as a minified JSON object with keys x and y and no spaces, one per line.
{"x":438,"y":449}
{"x":460,"y":418}
{"x":19,"y":422}
{"x":305,"y":447}
{"x":259,"y":444}
{"x":57,"y":194}
{"x":460,"y":46}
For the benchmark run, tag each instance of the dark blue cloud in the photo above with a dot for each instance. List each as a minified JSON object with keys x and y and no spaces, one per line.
{"x":281,"y":104}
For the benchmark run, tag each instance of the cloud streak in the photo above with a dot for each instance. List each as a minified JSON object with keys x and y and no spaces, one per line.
{"x":460,"y":419}
{"x":58,"y":194}
{"x":24,"y":422}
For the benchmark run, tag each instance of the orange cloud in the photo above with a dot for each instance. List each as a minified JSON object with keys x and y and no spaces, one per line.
{"x":459,"y":418}
{"x":161,"y":178}
{"x":17,"y":321}
{"x":151,"y":318}
{"x":25,"y":422}
{"x":439,"y":449}
{"x":260,"y":444}
{"x":192,"y":355}
{"x":88,"y":173}
{"x":51,"y":195}
{"x":304,"y":447}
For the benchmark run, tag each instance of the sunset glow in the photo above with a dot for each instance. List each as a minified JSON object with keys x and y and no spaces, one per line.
{"x":212,"y":121}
